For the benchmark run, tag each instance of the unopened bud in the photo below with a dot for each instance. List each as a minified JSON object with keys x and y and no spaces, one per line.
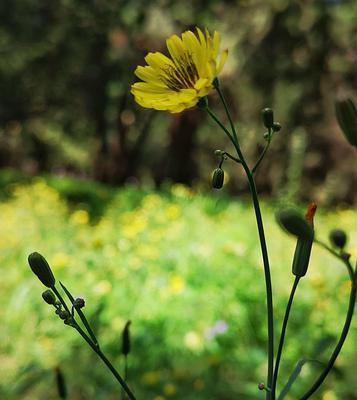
{"x":126,"y":339}
{"x":203,"y":103}
{"x":40,"y":267}
{"x":49,"y":297}
{"x":79,"y":302}
{"x":338,"y":238}
{"x":346,"y":115}
{"x":218,"y":178}
{"x":261,"y":386}
{"x":64,"y":314}
{"x":276,"y":127}
{"x":268,"y":117}
{"x":293,"y":222}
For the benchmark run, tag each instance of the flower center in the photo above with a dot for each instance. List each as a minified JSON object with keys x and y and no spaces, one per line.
{"x":183,"y":75}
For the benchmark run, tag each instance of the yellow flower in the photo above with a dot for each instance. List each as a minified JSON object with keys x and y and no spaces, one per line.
{"x":177,"y":83}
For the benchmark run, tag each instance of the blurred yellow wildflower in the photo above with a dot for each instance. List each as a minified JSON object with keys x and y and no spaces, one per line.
{"x":59,"y":261}
{"x":172,"y":211}
{"x":170,"y":389}
{"x":177,"y":83}
{"x":80,"y":217}
{"x":150,"y":377}
{"x":177,"y":283}
{"x":102,"y":287}
{"x":193,"y":341}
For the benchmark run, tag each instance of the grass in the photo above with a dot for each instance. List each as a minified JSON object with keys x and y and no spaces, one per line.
{"x":185,"y":269}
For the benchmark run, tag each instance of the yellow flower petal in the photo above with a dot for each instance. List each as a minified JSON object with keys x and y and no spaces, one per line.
{"x":177,"y":83}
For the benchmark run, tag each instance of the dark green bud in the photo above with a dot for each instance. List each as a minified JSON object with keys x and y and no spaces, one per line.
{"x":294,"y":223}
{"x":218,"y":153}
{"x":40,"y":267}
{"x":64,"y":314}
{"x":218,"y":178}
{"x":49,"y":297}
{"x":126,"y":339}
{"x":79,"y":303}
{"x":338,"y":238}
{"x":268,"y":117}
{"x":302,"y":256}
{"x":276,"y":127}
{"x":346,"y":115}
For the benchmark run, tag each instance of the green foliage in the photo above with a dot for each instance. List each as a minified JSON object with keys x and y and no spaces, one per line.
{"x":186,"y":270}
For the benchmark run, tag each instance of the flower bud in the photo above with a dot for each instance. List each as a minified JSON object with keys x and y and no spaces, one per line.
{"x":346,"y":115}
{"x":218,"y":178}
{"x":338,"y":238}
{"x":268,"y":117}
{"x":126,"y":339}
{"x":276,"y":127}
{"x":294,"y":223}
{"x":64,"y":314}
{"x":79,"y":303}
{"x":49,"y":297}
{"x":261,"y":386}
{"x":40,"y":267}
{"x":302,"y":256}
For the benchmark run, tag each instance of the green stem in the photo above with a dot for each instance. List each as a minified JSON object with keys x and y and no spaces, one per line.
{"x":260,"y":159}
{"x":95,"y":348}
{"x":333,"y":252}
{"x":106,"y":362}
{"x":282,"y":336}
{"x":341,"y":341}
{"x":263,"y":246}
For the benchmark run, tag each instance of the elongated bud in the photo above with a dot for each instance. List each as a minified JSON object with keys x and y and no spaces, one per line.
{"x":304,"y":245}
{"x":126,"y":339}
{"x":64,"y":314}
{"x":40,"y":267}
{"x":218,"y":178}
{"x":338,"y":238}
{"x":49,"y":297}
{"x":61,"y":383}
{"x":268,"y":117}
{"x":346,"y":115}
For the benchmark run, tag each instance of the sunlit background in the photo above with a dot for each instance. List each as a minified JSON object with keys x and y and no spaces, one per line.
{"x":118,"y":198}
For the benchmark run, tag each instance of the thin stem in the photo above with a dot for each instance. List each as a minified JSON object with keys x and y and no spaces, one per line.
{"x":282,"y":335}
{"x":106,"y":362}
{"x":339,"y":345}
{"x":260,"y":159}
{"x":237,"y":160}
{"x":95,"y":347}
{"x":220,"y":93}
{"x":215,"y":118}
{"x":338,"y":255}
{"x":263,"y":246}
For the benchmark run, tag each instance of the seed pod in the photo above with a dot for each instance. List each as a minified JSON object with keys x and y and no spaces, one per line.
{"x":268,"y":117}
{"x":338,"y":238}
{"x":218,"y":178}
{"x":346,"y":115}
{"x":294,"y":223}
{"x":302,"y":255}
{"x":126,"y":339}
{"x":49,"y":297}
{"x":40,"y":267}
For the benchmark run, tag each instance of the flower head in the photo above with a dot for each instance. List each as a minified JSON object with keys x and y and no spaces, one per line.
{"x":177,"y":83}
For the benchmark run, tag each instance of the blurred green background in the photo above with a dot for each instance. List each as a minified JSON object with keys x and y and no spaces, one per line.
{"x":118,"y":198}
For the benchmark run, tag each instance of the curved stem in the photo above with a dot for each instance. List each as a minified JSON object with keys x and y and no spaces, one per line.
{"x":260,"y":159}
{"x":340,"y":343}
{"x":263,"y":246}
{"x":333,"y":252}
{"x":282,"y":336}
